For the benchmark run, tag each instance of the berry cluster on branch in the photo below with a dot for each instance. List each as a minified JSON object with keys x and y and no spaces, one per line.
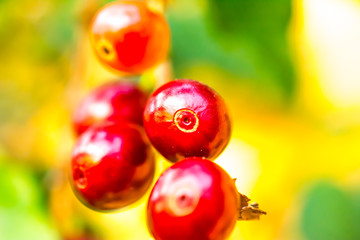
{"x":186,"y":121}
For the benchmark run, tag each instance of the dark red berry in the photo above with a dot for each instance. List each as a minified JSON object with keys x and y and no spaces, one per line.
{"x":193,"y":199}
{"x":112,"y":165}
{"x":127,"y":36}
{"x":116,"y":101}
{"x":185,"y":118}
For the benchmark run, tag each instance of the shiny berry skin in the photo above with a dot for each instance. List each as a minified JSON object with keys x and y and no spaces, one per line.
{"x":112,"y":165}
{"x":115,"y":101}
{"x":193,"y":199}
{"x":127,"y":36}
{"x":185,"y":118}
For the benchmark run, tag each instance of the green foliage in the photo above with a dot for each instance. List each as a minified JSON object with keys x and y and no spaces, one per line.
{"x":22,"y":213}
{"x":35,"y":46}
{"x":330,"y":213}
{"x":192,"y":43}
{"x":16,"y":225}
{"x":355,"y":199}
{"x":55,"y":33}
{"x":245,"y":38}
{"x":261,"y":25}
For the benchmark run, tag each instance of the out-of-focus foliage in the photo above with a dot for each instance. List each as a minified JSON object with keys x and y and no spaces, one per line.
{"x":330,"y":213}
{"x":246,"y":38}
{"x":23,"y":207}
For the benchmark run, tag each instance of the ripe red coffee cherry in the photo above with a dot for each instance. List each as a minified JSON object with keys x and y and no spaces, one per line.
{"x":112,"y":165}
{"x":193,"y":199}
{"x":128,"y":37}
{"x":114,"y":101}
{"x":185,"y":118}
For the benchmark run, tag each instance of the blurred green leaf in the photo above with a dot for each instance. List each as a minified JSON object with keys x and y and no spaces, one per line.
{"x":192,"y":43}
{"x":355,"y":198}
{"x":15,"y":225}
{"x":245,"y":38}
{"x":256,"y":18}
{"x":19,"y":187}
{"x":261,"y":27}
{"x":22,"y":206}
{"x":329,"y":214}
{"x":56,"y":31}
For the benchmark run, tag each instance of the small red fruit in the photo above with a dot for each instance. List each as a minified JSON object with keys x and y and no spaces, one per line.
{"x":116,"y":101}
{"x":185,"y":118}
{"x":193,"y":199}
{"x":128,"y":37}
{"x":112,"y":165}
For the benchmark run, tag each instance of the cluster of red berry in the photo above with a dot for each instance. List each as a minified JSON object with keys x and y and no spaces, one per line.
{"x":186,"y":121}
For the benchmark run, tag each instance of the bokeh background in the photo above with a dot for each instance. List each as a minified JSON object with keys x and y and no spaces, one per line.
{"x":289,"y":71}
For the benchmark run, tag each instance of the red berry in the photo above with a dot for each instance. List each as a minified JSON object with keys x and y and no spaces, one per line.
{"x":112,"y":165}
{"x":186,"y":118}
{"x":128,"y":37}
{"x":193,"y":199}
{"x":115,"y":101}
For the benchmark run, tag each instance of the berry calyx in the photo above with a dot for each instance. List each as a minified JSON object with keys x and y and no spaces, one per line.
{"x":249,"y":211}
{"x":112,"y":165}
{"x":115,"y":101}
{"x":127,"y":36}
{"x":185,"y":118}
{"x":193,"y":199}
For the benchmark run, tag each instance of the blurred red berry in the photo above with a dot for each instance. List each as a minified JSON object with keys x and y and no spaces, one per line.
{"x":193,"y":199}
{"x":185,"y":118}
{"x":127,"y":36}
{"x":116,"y":101}
{"x":112,"y":165}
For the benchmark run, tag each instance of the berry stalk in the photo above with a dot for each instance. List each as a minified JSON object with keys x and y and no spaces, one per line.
{"x":249,"y":211}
